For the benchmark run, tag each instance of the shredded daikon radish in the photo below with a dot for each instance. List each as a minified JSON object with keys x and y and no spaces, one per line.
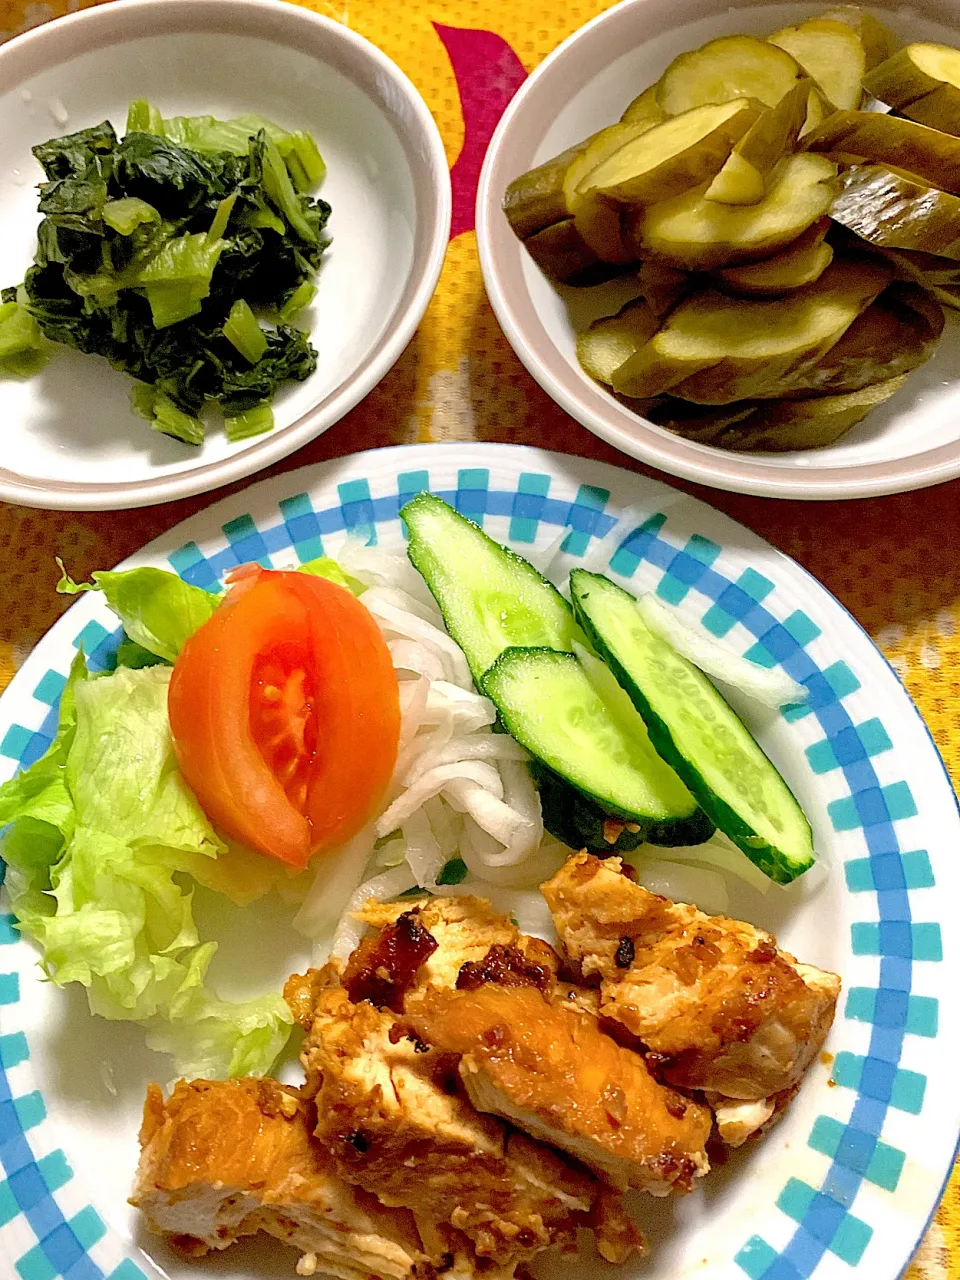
{"x":475,"y":746}
{"x":334,"y":881}
{"x":446,"y":824}
{"x":685,"y":883}
{"x":430,"y":784}
{"x":424,"y":854}
{"x":527,"y":906}
{"x":376,"y":567}
{"x":544,"y":559}
{"x":599,"y":555}
{"x":394,"y":598}
{"x":395,"y":621}
{"x":416,"y":658}
{"x":381,"y":888}
{"x":766,"y":685}
{"x":719,"y":853}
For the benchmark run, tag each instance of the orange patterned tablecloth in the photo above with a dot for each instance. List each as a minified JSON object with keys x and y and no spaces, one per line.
{"x":894,"y":562}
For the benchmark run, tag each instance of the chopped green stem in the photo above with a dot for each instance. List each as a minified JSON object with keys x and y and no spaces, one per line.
{"x":251,"y":422}
{"x":242,"y":330}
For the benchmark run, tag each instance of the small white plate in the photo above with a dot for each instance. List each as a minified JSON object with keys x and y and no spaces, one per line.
{"x":843,"y":1188}
{"x":71,"y":438}
{"x":909,"y":443}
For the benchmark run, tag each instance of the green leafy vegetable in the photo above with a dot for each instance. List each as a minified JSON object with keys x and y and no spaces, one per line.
{"x":158,"y":610}
{"x":301,"y":297}
{"x":128,"y":213}
{"x":156,"y":250}
{"x":164,"y":416}
{"x":249,"y":422}
{"x":205,"y":133}
{"x":99,"y":829}
{"x":453,"y":872}
{"x":241,"y":328}
{"x":324,"y":567}
{"x":133,"y":655}
{"x":23,"y":348}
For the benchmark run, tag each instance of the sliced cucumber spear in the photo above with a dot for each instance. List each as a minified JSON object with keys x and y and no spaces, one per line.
{"x":518,"y":633}
{"x":695,"y":730}
{"x":548,"y":703}
{"x":490,"y":598}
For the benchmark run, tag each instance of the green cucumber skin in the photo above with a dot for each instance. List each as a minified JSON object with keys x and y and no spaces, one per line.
{"x":780,"y":867}
{"x":686,"y":829}
{"x":420,"y":553}
{"x":576,"y":819}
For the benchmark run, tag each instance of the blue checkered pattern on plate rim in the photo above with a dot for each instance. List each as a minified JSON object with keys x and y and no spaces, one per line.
{"x":821,"y":1213}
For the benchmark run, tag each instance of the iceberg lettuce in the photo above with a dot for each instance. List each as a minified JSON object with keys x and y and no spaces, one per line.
{"x":102,"y":830}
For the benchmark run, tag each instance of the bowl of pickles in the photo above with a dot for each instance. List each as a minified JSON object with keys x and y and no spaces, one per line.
{"x":729,"y":242}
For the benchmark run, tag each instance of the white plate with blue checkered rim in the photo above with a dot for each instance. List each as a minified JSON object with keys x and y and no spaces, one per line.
{"x":849,"y":1179}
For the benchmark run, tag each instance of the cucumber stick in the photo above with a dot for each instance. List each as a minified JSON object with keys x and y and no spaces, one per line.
{"x":517,"y":633}
{"x":548,"y":703}
{"x":490,"y":598}
{"x":695,"y":730}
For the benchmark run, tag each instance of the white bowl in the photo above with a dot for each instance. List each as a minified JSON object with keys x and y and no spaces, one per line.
{"x":911,"y":442}
{"x":70,"y":437}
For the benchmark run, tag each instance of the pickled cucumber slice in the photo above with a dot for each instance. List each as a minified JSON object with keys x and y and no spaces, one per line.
{"x":789,"y":425}
{"x":832,"y":53}
{"x":800,"y":264}
{"x":713,"y":349}
{"x":692,"y":233}
{"x":536,"y":199}
{"x":743,"y":179}
{"x":894,"y":212}
{"x":895,"y":335}
{"x":661,"y":286}
{"x":878,"y":43}
{"x":598,"y":219}
{"x":704,"y":424}
{"x":888,"y":140}
{"x":937,"y":276}
{"x":922,"y":81}
{"x":644,"y":108}
{"x":613,"y":339}
{"x":724,"y":69}
{"x":561,"y":252}
{"x":672,"y":156}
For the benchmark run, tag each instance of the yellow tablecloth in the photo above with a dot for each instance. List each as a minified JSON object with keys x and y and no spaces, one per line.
{"x":894,"y":562}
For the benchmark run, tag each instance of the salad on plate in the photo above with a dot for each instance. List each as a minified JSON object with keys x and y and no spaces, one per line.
{"x":500,"y":808}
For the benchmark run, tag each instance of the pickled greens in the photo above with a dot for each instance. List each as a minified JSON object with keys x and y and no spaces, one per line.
{"x":179,"y":252}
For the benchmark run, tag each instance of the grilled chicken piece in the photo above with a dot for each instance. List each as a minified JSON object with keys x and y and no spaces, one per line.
{"x":474,"y":945}
{"x":394,"y":1117}
{"x":717,"y":1005}
{"x":553,"y":1073}
{"x":465,"y":930}
{"x":221,"y":1160}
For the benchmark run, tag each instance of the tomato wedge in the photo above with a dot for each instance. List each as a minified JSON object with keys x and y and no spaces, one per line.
{"x":285,"y":714}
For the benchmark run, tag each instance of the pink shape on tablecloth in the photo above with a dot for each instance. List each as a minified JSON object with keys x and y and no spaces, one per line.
{"x":488,"y":74}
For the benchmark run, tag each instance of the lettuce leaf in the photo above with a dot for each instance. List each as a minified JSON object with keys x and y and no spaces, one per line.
{"x":158,"y":610}
{"x":102,"y":830}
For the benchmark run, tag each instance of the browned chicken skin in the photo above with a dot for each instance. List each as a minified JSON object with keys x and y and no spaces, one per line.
{"x":713,"y":1000}
{"x":553,"y":1073}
